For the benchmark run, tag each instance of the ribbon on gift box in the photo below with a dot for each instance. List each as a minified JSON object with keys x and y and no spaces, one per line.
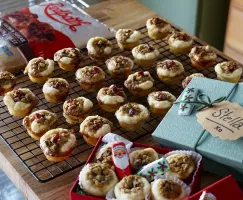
{"x":205,"y":102}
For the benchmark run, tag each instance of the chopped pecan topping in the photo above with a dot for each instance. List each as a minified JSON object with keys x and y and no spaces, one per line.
{"x":73,"y":53}
{"x":57,"y":83}
{"x":74,"y":106}
{"x":132,"y":183}
{"x":99,"y":174}
{"x":20,"y":95}
{"x":7,"y":78}
{"x":141,"y":160}
{"x":106,"y":157}
{"x":96,"y":123}
{"x":120,"y":62}
{"x":230,"y":67}
{"x":170,"y":189}
{"x":38,"y":66}
{"x":161,"y":96}
{"x":203,"y":52}
{"x":101,"y":44}
{"x":158,"y":22}
{"x":90,"y":72}
{"x":113,"y":90}
{"x":125,"y":34}
{"x":168,"y":64}
{"x":144,"y":49}
{"x":181,"y":36}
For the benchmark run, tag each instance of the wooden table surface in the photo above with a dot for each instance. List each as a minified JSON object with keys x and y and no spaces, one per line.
{"x":116,"y":14}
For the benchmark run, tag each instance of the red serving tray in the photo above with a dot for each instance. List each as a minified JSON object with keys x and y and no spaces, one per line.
{"x":75,"y":196}
{"x":225,"y":189}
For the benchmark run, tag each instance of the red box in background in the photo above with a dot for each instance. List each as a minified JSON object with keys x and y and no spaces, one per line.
{"x":75,"y":196}
{"x":225,"y":189}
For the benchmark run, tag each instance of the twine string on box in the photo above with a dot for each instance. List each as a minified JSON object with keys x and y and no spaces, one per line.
{"x":208,"y":103}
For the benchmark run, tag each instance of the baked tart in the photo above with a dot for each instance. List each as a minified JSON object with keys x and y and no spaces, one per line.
{"x":228,"y":71}
{"x":97,"y":179}
{"x":170,"y":71}
{"x":140,"y":83}
{"x":20,"y":102}
{"x":93,"y":127}
{"x":158,"y":28}
{"x":127,"y":39}
{"x":132,"y":187}
{"x":119,"y":67}
{"x":55,"y":90}
{"x":77,"y":109}
{"x":145,"y":55}
{"x":90,"y":78}
{"x":69,"y":59}
{"x":188,"y":79}
{"x":132,"y":116}
{"x":104,"y":155}
{"x":111,"y":98}
{"x":160,"y":102}
{"x":57,"y":144}
{"x":99,"y":48}
{"x":7,"y":82}
{"x":202,"y":57}
{"x":142,"y":157}
{"x":39,"y":69}
{"x":180,"y":43}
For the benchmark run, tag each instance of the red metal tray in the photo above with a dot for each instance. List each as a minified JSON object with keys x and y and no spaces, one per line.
{"x":76,"y":196}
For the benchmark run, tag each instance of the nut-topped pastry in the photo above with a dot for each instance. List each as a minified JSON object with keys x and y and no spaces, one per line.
{"x":182,"y":166}
{"x":39,"y":69}
{"x":111,"y":98}
{"x":160,"y":102}
{"x":228,"y":71}
{"x":132,"y":116}
{"x":7,"y":82}
{"x":20,"y":102}
{"x":99,"y":48}
{"x":93,"y":127}
{"x":97,"y":179}
{"x":57,"y":144}
{"x":142,"y":157}
{"x":55,"y":90}
{"x":119,"y":66}
{"x":140,"y":83}
{"x":127,"y":39}
{"x":77,"y":109}
{"x":166,"y":189}
{"x":69,"y":59}
{"x":170,"y":71}
{"x":104,"y":155}
{"x":132,"y":187}
{"x":158,"y":28}
{"x":90,"y":78}
{"x":202,"y":57}
{"x":39,"y":122}
{"x":145,"y":55}
{"x":180,"y":43}
{"x":188,"y":79}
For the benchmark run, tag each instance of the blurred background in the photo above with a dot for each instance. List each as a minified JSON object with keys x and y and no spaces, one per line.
{"x":217,"y":22}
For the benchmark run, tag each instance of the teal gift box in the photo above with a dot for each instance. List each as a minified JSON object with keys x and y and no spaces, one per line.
{"x":184,"y":132}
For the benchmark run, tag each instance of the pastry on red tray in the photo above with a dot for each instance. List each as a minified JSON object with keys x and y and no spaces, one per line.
{"x":182,"y":166}
{"x":7,"y":82}
{"x":39,"y":122}
{"x":57,"y":144}
{"x":127,"y":39}
{"x":188,"y":79}
{"x":99,"y":48}
{"x":97,"y":179}
{"x":170,"y":71}
{"x":166,"y":189}
{"x":132,"y":187}
{"x":75,"y":110}
{"x":39,"y":69}
{"x":145,"y":55}
{"x":111,"y":98}
{"x":140,"y":83}
{"x":90,"y":78}
{"x":228,"y":71}
{"x":202,"y":57}
{"x":20,"y":102}
{"x":158,"y":28}
{"x":93,"y":127}
{"x":160,"y":102}
{"x":55,"y":90}
{"x":119,"y":66}
{"x":180,"y":43}
{"x":69,"y":59}
{"x":142,"y":157}
{"x":132,"y":116}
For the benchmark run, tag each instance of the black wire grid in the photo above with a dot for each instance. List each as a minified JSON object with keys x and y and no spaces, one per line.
{"x":28,"y":150}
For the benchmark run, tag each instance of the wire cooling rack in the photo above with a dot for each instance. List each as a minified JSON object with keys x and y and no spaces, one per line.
{"x":28,"y":150}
